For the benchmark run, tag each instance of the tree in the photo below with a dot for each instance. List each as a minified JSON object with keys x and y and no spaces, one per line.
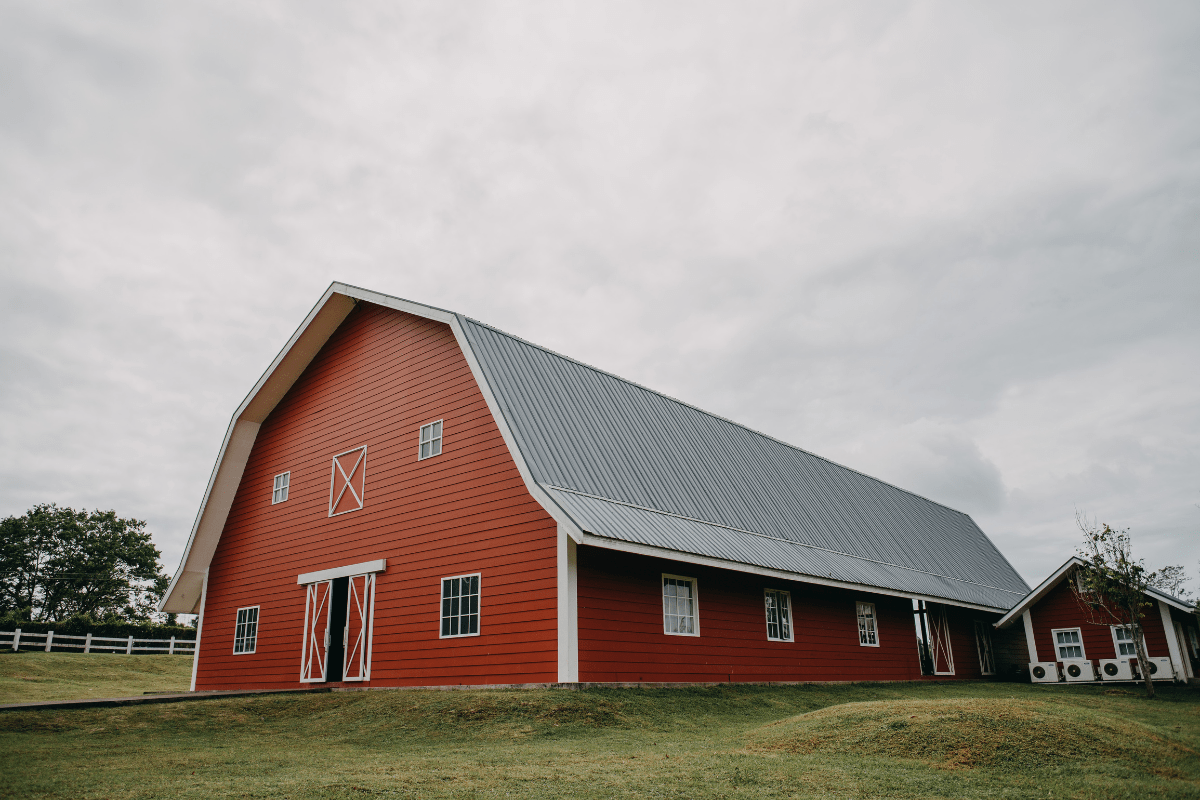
{"x":59,"y":562}
{"x":1172,"y":580}
{"x":1112,"y":585}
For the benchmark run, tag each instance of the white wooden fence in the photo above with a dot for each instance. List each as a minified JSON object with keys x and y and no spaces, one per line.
{"x":92,"y":644}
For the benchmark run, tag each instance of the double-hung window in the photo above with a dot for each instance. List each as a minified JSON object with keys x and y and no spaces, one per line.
{"x":680,"y":608}
{"x":279,"y":492}
{"x":431,"y":440}
{"x":779,"y":615}
{"x":245,"y":631}
{"x":1068,"y":643}
{"x":460,"y":606}
{"x":1123,"y":641}
{"x":868,"y":635}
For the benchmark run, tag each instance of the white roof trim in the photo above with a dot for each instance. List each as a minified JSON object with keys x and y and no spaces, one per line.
{"x":378,"y":565}
{"x":1056,"y":578}
{"x":184,"y":592}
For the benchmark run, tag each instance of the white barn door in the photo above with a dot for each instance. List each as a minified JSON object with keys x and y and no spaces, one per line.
{"x":360,"y":608}
{"x":939,"y":647}
{"x":317,"y":600}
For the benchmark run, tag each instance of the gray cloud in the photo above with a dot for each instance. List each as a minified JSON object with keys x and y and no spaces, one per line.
{"x":951,"y":246}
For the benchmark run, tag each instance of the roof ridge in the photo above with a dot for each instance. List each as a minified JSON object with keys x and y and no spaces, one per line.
{"x":711,"y":414}
{"x":779,"y":539}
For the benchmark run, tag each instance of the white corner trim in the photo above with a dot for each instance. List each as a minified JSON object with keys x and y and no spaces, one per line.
{"x":366,"y":567}
{"x":568,"y":609}
{"x":1173,"y":644}
{"x":1030,"y":639}
{"x":199,"y":631}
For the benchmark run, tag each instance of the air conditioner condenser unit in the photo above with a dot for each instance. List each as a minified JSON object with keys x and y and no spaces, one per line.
{"x":1044,"y":671}
{"x":1161,"y":669}
{"x":1116,"y":669}
{"x":1078,"y":670}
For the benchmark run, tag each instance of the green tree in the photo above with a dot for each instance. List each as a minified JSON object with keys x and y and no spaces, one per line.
{"x":59,"y":562}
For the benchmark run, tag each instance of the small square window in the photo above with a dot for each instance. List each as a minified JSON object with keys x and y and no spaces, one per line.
{"x":280,"y":491}
{"x":868,"y":635}
{"x":681,"y":615}
{"x":779,"y":615}
{"x":1069,"y":643}
{"x":245,"y":632}
{"x":460,"y":606}
{"x":431,"y":440}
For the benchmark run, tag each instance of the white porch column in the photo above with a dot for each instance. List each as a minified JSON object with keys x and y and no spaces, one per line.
{"x":1030,"y":639}
{"x":568,"y":609}
{"x":1174,"y":646}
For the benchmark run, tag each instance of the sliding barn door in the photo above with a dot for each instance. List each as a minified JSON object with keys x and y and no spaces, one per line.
{"x":939,"y":646}
{"x":313,"y":666}
{"x":360,"y":607}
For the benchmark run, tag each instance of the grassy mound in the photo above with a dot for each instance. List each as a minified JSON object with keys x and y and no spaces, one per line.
{"x":27,"y":677}
{"x":966,"y":733}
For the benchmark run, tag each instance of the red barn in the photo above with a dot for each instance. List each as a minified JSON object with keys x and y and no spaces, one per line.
{"x":410,"y":497}
{"x":1070,"y":641}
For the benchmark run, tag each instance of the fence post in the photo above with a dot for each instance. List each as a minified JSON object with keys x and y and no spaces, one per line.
{"x":171,"y":650}
{"x":49,"y":640}
{"x":87,"y":644}
{"x":16,"y":640}
{"x":129,"y":646}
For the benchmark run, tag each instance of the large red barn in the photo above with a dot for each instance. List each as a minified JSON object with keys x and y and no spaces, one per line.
{"x":409,"y":497}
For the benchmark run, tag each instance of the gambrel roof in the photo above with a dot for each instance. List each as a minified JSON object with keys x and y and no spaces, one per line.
{"x":621,"y":466}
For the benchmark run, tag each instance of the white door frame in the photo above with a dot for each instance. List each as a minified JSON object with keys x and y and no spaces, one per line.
{"x":316,"y":643}
{"x":360,"y":602}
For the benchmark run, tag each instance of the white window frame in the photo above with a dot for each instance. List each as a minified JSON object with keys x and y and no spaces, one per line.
{"x":1118,"y":642}
{"x":478,"y":576}
{"x":785,"y":616}
{"x":695,"y":616}
{"x":279,"y":489}
{"x":253,"y":638}
{"x":865,"y":631}
{"x":434,"y":442}
{"x":1054,"y":632}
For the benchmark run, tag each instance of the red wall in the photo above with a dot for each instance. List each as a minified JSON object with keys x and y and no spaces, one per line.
{"x":379,"y":377}
{"x":621,"y":629}
{"x":1060,"y":609}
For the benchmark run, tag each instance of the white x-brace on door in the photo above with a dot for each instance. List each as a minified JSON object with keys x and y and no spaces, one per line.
{"x":360,"y":611}
{"x":317,"y":602}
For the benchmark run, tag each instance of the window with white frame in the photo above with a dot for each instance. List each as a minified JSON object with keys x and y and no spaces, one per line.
{"x":280,"y":491}
{"x":1123,"y":641}
{"x":1195,"y":642}
{"x":431,"y":440}
{"x":460,"y":606}
{"x":1068,"y":643}
{"x":680,"y":607}
{"x":779,"y":615}
{"x":868,"y":636}
{"x":245,"y":631}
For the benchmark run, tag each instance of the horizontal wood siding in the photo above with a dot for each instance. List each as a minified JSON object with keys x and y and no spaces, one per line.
{"x":621,"y":628}
{"x":380,"y":377}
{"x":1060,"y":609}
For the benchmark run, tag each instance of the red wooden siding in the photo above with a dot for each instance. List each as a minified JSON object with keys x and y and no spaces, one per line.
{"x":377,"y":380}
{"x":1060,"y":609}
{"x":621,"y":629}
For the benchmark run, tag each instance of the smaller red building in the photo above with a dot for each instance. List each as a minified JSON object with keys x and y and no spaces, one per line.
{"x":1067,"y":641}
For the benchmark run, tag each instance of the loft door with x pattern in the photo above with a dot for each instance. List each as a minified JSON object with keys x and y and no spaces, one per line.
{"x":347,"y":484}
{"x":360,"y":607}
{"x":313,"y":666}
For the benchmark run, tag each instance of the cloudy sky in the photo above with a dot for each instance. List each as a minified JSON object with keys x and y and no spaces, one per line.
{"x":952,"y":245}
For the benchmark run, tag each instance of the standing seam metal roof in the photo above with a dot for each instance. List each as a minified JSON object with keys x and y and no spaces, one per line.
{"x":635,"y":465}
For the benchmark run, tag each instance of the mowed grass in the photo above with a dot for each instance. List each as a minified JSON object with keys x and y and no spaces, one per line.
{"x":26,"y":677}
{"x":848,"y":741}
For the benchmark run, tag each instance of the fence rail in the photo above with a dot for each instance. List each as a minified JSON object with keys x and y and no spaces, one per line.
{"x":92,"y":644}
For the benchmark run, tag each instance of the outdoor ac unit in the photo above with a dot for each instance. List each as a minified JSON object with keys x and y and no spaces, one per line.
{"x":1044,"y":671}
{"x":1161,"y":669}
{"x":1116,"y":669}
{"x":1077,"y":670}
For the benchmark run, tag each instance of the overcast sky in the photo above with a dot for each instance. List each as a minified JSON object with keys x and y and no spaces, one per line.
{"x":952,"y":245}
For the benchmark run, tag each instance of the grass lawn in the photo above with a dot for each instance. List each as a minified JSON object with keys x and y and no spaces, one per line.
{"x":861,"y":741}
{"x":26,"y":677}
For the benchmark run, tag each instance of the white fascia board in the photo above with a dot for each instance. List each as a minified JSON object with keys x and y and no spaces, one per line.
{"x":796,"y":577}
{"x":1163,"y":597}
{"x":366,"y":567}
{"x":1037,"y":593}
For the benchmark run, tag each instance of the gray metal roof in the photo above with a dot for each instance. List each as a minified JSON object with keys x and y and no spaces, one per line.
{"x":630,"y":464}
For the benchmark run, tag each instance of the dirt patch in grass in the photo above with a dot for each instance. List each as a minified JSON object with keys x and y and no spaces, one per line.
{"x":962,"y":734}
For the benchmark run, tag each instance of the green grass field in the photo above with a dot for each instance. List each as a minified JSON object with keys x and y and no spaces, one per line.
{"x":861,"y":741}
{"x":31,"y":676}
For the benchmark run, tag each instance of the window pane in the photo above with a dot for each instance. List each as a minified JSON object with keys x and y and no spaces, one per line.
{"x":437,"y":430}
{"x":437,"y":447}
